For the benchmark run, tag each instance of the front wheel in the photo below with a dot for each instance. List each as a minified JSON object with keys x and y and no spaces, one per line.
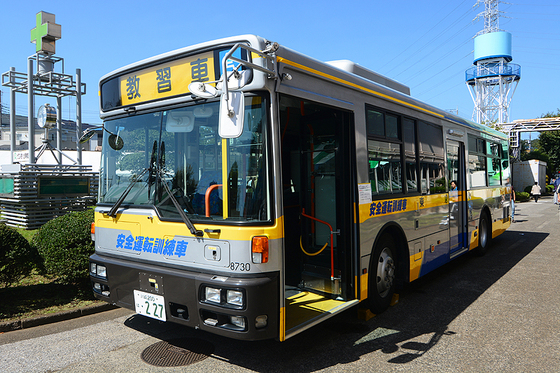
{"x":382,"y":274}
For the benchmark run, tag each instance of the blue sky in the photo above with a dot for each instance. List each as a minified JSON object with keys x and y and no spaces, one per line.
{"x":426,"y":45}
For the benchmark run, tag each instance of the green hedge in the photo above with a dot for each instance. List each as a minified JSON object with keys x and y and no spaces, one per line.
{"x":522,"y":196}
{"x":65,"y":245}
{"x":17,"y":257}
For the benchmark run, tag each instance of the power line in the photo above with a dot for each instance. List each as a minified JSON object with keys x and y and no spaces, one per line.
{"x":420,"y":38}
{"x":535,"y":5}
{"x":438,"y":73}
{"x":449,"y":53}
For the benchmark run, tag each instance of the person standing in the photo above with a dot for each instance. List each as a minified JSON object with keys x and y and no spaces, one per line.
{"x":556,"y":185}
{"x":536,"y":191}
{"x":511,"y":200}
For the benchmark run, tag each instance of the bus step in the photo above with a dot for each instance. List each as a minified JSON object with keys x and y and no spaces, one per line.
{"x":319,"y":279}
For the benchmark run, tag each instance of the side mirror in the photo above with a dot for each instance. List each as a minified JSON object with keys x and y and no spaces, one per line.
{"x":115,"y":142}
{"x":87,"y":135}
{"x":232,"y":114}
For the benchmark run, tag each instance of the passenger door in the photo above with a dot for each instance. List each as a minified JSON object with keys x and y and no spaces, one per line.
{"x":457,"y":218}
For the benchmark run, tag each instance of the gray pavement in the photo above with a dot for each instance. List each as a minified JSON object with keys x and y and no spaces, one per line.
{"x":497,"y":313}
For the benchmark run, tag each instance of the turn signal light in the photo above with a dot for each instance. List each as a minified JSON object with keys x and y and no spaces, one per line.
{"x":259,"y":249}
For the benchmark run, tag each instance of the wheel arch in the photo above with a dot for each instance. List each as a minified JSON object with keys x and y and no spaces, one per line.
{"x":403,"y":253}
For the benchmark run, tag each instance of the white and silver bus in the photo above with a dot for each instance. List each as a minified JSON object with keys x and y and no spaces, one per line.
{"x":252,"y":192}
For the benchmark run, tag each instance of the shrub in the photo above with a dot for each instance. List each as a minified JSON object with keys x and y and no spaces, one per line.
{"x":522,"y":196}
{"x":17,"y":256}
{"x":65,"y":244}
{"x":549,"y":188}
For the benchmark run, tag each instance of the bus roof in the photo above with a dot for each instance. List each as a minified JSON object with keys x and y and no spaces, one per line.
{"x":357,"y":76}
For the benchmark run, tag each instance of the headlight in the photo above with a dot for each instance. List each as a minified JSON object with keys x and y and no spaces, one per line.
{"x":98,"y":270}
{"x":101,"y":271}
{"x":235,"y":297}
{"x":213,"y":295}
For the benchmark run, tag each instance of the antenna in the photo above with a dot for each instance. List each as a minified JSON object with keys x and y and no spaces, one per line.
{"x":493,"y":79}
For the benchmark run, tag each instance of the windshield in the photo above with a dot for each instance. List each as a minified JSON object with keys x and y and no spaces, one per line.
{"x":182,"y":148}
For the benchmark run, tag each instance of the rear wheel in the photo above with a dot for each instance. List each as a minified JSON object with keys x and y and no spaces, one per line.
{"x":382,"y":274}
{"x":484,"y":234}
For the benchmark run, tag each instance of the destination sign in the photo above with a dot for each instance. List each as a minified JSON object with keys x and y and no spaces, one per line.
{"x":168,"y":79}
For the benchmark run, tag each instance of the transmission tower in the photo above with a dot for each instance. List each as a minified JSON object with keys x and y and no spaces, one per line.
{"x":493,"y":79}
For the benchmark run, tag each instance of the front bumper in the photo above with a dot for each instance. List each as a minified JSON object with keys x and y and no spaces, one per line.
{"x":185,"y":296}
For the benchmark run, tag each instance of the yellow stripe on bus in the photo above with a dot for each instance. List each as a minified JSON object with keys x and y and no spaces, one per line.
{"x":158,"y":228}
{"x":282,"y":336}
{"x":400,"y":204}
{"x":415,"y":265}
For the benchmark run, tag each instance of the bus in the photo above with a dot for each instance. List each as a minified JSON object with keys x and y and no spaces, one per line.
{"x":253,"y":192}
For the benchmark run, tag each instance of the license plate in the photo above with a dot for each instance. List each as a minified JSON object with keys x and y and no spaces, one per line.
{"x":150,"y":305}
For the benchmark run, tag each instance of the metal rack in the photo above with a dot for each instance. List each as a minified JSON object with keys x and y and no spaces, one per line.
{"x":25,"y":203}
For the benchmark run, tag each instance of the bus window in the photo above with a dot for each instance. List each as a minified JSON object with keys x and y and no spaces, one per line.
{"x":392,"y":126}
{"x":375,"y":123}
{"x":181,"y":147}
{"x":478,"y":162}
{"x":431,"y":158}
{"x":409,"y":137}
{"x":505,"y":162}
{"x":493,"y":163}
{"x":384,"y":167}
{"x":477,"y":171}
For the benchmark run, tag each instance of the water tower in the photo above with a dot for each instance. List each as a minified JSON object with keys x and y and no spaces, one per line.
{"x":493,"y":79}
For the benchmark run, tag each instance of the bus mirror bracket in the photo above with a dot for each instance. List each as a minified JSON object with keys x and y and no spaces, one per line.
{"x":232,"y":103}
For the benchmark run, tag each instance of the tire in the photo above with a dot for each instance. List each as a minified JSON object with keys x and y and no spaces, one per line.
{"x":484,"y":234}
{"x":382,"y":274}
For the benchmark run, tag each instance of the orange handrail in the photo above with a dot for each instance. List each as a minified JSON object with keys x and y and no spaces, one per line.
{"x":207,"y":198}
{"x":331,"y":230}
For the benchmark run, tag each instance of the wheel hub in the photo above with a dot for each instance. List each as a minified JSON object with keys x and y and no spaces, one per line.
{"x":385,"y":272}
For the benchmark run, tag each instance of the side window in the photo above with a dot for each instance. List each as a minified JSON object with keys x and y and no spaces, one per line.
{"x":477,"y":162}
{"x":380,"y":124}
{"x":375,"y":123}
{"x":409,"y":137}
{"x":432,"y":174}
{"x":505,"y":162}
{"x":477,"y":171}
{"x":493,"y":164}
{"x":392,"y":126}
{"x":384,"y":167}
{"x":384,"y":152}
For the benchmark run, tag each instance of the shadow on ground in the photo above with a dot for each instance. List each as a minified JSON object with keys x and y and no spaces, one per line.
{"x":426,"y":309}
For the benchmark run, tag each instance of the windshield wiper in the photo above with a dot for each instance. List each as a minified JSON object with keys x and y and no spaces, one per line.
{"x":113,"y":211}
{"x":184,"y":217}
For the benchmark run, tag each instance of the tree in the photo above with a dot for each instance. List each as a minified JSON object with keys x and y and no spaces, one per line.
{"x":535,"y":154}
{"x":552,"y":114}
{"x":549,"y":144}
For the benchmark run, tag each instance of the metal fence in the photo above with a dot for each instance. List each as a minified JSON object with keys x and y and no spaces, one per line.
{"x":33,"y":194}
